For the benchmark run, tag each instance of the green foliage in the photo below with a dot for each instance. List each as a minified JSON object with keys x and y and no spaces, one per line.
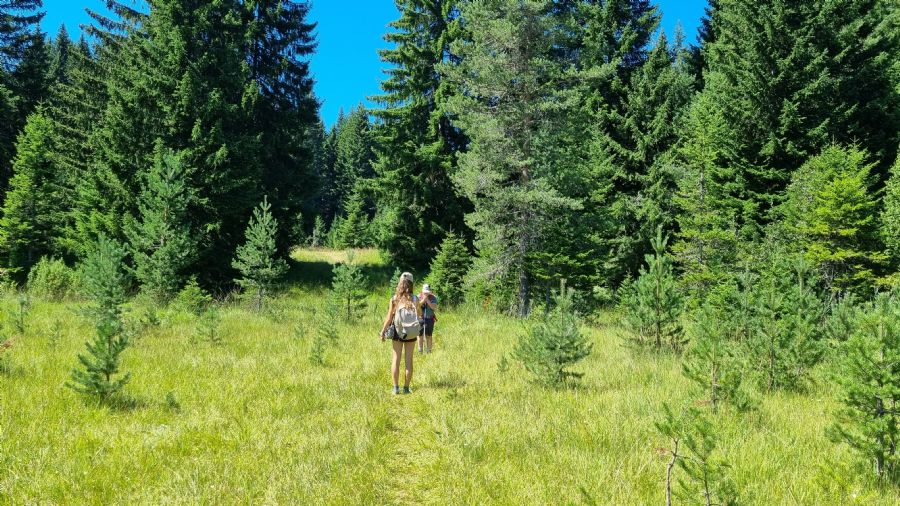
{"x":890,"y":216}
{"x":832,"y":212}
{"x":193,"y":298}
{"x":653,"y":303}
{"x":786,"y":341}
{"x":257,"y":259}
{"x":104,"y":282}
{"x":208,"y":325}
{"x":449,"y":268}
{"x":33,"y":213}
{"x":162,"y":243}
{"x":693,"y":449}
{"x":504,"y":172}
{"x":552,"y":345}
{"x":869,"y":377}
{"x":712,"y":361}
{"x":318,"y":237}
{"x":418,"y":202}
{"x":349,"y":288}
{"x":353,"y":230}
{"x":53,"y":279}
{"x":20,"y":314}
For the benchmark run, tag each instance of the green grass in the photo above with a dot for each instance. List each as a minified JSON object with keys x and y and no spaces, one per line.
{"x":258,"y":424}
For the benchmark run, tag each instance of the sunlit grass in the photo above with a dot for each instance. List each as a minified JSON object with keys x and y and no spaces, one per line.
{"x":363,"y":256}
{"x":254,"y":422}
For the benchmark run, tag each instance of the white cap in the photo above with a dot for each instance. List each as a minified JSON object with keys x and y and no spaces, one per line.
{"x":407,"y":275}
{"x":426,"y":288}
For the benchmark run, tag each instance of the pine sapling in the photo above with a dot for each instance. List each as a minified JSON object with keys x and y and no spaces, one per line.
{"x":692,"y":450}
{"x":653,"y":303}
{"x":869,"y":377}
{"x":20,"y":315}
{"x":257,"y":259}
{"x":549,"y":347}
{"x":104,"y":281}
{"x":449,"y":269}
{"x":711,"y":361}
{"x":348,"y":286}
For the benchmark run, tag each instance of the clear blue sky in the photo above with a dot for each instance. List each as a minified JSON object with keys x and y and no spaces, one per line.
{"x":346,"y":66}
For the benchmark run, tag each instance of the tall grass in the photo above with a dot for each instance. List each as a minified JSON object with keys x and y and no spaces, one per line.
{"x":250,"y":420}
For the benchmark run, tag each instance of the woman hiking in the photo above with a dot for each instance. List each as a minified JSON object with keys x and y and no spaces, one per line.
{"x":402,"y":326}
{"x":428,"y":302}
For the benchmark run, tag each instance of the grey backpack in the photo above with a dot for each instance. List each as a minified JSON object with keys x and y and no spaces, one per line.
{"x":406,"y":321}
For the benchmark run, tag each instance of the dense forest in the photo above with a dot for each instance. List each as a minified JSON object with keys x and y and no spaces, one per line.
{"x":734,"y":198}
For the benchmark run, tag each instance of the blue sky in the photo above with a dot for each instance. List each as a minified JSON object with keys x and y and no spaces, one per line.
{"x":346,"y":66}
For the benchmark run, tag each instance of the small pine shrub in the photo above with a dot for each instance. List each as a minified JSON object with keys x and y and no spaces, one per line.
{"x":448,"y":270}
{"x":692,"y":451}
{"x":348,"y":287}
{"x":54,"y":334}
{"x":104,"y":281}
{"x":193,"y":298}
{"x":712,"y":361}
{"x":257,"y":259}
{"x":172,"y":402}
{"x":208,"y":325}
{"x":52,"y":278}
{"x":869,"y":377}
{"x":317,"y":349}
{"x":653,"y":303}
{"x":20,"y":314}
{"x":555,"y":343}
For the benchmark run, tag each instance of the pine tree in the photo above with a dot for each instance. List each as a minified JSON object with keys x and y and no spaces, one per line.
{"x":104,"y":281}
{"x":257,"y":259}
{"x":60,"y":51}
{"x":786,"y":343}
{"x":831,"y":211}
{"x":510,"y":80}
{"x":317,"y":238}
{"x":551,"y":346}
{"x":348,"y":287}
{"x":712,"y":362}
{"x":449,"y":268}
{"x":32,"y":219}
{"x":653,"y":304}
{"x":869,"y":376}
{"x":693,"y":445}
{"x":354,"y":156}
{"x":160,"y":238}
{"x":416,"y":142}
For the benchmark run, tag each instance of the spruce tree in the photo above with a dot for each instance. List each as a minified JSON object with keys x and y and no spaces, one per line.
{"x":831,"y":211}
{"x":631,"y":149}
{"x":708,"y":199}
{"x":653,"y":303}
{"x":104,"y":281}
{"x":354,"y":155}
{"x":60,"y":50}
{"x":890,"y":216}
{"x":510,"y":81}
{"x":257,"y":259}
{"x":448,"y":270}
{"x":869,"y":376}
{"x":548,"y":348}
{"x":32,"y":218}
{"x":416,"y":142}
{"x":161,"y":239}
{"x":353,"y":229}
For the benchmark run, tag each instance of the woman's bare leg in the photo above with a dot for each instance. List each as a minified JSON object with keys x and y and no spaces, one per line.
{"x":395,"y":362}
{"x":429,"y":341}
{"x":421,"y":343}
{"x":408,"y":355}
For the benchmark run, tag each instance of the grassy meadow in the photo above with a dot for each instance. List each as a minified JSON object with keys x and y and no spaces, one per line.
{"x":246,"y":419}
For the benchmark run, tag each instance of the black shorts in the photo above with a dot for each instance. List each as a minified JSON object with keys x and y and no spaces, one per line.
{"x":427,"y":327}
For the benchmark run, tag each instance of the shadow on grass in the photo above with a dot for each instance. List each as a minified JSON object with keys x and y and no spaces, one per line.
{"x":448,"y":381}
{"x":119,"y":402}
{"x":319,"y":274}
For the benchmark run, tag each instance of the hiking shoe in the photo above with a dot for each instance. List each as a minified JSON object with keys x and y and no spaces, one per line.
{"x":406,"y":390}
{"x":396,"y":390}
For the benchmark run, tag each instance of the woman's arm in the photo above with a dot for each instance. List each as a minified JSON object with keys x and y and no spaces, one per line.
{"x":387,"y":319}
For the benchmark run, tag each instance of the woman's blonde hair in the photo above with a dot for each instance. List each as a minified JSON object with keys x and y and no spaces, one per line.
{"x":403,"y":294}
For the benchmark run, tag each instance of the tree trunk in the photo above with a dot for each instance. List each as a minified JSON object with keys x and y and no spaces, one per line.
{"x":669,"y":468}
